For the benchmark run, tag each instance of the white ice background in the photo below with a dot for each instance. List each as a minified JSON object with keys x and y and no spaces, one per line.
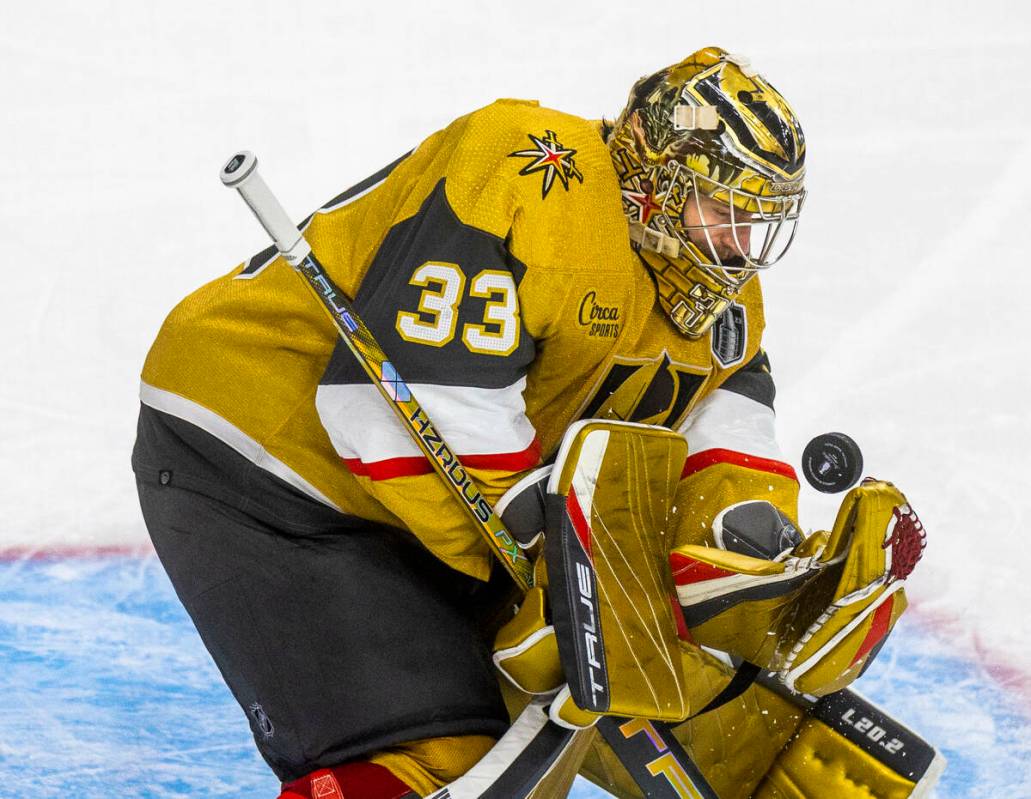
{"x":899,"y":316}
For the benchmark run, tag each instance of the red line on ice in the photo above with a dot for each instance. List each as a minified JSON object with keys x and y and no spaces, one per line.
{"x":1014,"y":679}
{"x":60,"y":552}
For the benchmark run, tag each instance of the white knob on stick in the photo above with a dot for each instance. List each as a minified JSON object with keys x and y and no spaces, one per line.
{"x":241,"y":173}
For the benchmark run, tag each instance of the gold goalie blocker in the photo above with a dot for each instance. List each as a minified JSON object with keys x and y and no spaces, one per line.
{"x":599,"y":636}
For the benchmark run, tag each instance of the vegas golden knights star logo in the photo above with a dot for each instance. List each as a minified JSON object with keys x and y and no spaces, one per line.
{"x":551,"y":158}
{"x":657,"y":391}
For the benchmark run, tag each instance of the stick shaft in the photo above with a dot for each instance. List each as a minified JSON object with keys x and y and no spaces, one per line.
{"x":241,"y":173}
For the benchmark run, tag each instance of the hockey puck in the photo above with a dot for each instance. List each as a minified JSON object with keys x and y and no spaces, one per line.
{"x":832,"y":462}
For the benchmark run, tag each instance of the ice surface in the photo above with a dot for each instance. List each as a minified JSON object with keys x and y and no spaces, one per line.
{"x":108,"y":691}
{"x":899,"y":317}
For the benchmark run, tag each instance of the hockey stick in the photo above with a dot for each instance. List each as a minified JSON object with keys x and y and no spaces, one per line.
{"x":525,"y":764}
{"x":241,"y":173}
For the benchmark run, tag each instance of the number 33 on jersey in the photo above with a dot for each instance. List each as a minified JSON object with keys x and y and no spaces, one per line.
{"x":438,"y":303}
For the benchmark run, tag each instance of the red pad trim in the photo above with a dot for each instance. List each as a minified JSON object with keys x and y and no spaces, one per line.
{"x":878,"y":629}
{"x":416,"y":465}
{"x":359,"y":780}
{"x":678,"y":617}
{"x":580,"y":525}
{"x":710,"y":457}
{"x":688,"y":570}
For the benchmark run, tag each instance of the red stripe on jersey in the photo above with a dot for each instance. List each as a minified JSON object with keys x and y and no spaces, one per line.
{"x":688,"y":570}
{"x":579,"y":520}
{"x":506,"y":462}
{"x":710,"y":457}
{"x":417,"y":465}
{"x":878,"y":629}
{"x":389,"y":469}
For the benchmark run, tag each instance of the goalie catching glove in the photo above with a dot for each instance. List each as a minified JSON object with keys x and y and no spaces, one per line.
{"x":815,"y":611}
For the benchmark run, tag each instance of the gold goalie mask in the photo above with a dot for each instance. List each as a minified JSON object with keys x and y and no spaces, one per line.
{"x":711,"y":161}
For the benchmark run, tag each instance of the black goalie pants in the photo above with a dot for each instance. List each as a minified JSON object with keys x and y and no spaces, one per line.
{"x":338,"y":637}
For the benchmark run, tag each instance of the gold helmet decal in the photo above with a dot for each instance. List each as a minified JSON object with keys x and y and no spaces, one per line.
{"x":711,"y":161}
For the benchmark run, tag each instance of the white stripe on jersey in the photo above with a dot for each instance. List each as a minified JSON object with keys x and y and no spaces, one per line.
{"x":725,"y":420}
{"x":473,"y":421}
{"x":230,"y":435}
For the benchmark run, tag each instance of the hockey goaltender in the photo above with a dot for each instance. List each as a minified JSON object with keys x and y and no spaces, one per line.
{"x":576,"y":307}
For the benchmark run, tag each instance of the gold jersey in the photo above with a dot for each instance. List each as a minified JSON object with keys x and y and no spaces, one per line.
{"x":494,"y":267}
